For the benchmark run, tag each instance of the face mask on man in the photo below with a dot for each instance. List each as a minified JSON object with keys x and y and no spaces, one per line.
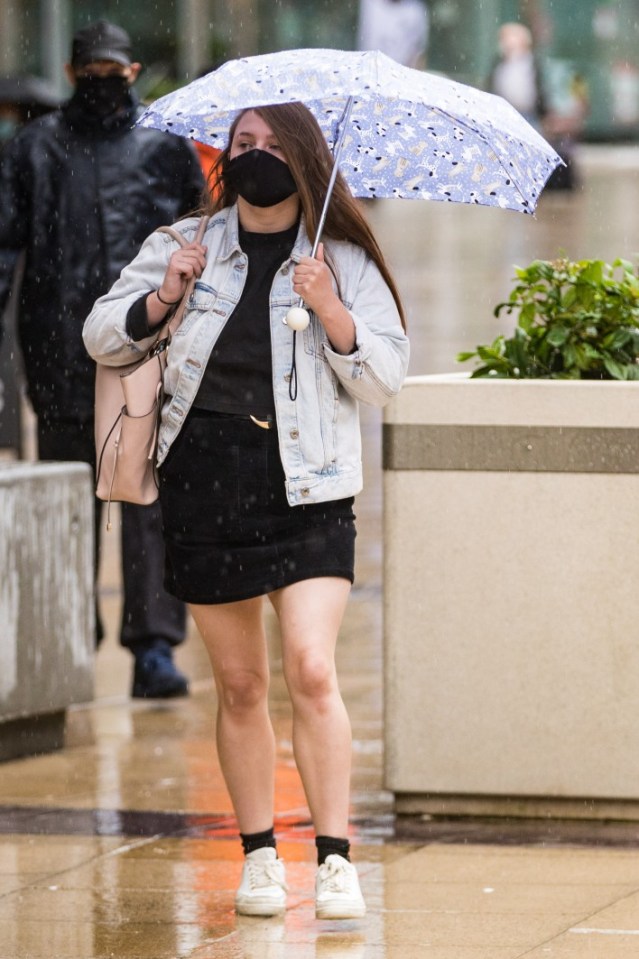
{"x":260,"y":178}
{"x":103,"y":96}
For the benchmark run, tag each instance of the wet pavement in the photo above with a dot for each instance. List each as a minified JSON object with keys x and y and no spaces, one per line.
{"x":123,"y":844}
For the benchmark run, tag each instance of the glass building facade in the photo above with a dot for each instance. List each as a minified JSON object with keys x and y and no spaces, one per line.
{"x":593,"y":40}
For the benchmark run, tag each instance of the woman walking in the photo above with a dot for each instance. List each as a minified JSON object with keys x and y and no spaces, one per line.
{"x":260,"y":458}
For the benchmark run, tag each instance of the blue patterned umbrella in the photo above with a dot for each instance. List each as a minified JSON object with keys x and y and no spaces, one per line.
{"x":394,"y":131}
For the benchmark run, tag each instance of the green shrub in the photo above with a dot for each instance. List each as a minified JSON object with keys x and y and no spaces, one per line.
{"x":576,"y":320}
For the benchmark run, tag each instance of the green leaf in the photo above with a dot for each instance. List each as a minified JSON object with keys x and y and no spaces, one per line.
{"x":590,"y":351}
{"x":489,"y":353}
{"x":558,"y":336}
{"x":626,"y":265}
{"x":527,"y":316}
{"x":618,"y":371}
{"x":593,"y":271}
{"x":583,"y":359}
{"x":569,"y":298}
{"x":618,"y":339}
{"x":569,"y":354}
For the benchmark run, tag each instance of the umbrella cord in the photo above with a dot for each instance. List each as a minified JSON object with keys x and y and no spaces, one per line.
{"x":292,"y":383}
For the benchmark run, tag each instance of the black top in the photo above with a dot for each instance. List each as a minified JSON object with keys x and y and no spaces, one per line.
{"x":239,"y":374}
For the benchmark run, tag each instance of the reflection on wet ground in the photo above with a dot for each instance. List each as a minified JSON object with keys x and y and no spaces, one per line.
{"x":382,"y":826}
{"x":133,"y":823}
{"x":123,"y":844}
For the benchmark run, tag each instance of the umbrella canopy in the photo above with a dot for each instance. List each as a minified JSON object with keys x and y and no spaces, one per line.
{"x":401,"y":132}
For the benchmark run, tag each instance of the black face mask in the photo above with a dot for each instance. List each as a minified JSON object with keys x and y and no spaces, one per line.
{"x":260,"y":178}
{"x":102,"y":96}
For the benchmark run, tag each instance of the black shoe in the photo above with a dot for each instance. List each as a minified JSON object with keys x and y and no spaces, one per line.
{"x":155,"y":675}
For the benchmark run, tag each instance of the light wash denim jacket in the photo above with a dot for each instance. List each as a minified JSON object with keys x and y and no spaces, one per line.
{"x":319,"y":435}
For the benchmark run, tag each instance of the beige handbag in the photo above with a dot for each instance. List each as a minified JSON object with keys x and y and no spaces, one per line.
{"x":128,"y":408}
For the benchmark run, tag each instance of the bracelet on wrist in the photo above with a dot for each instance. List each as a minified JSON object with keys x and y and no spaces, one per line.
{"x":166,"y":302}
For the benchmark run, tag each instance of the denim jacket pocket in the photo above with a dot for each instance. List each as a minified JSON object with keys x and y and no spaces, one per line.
{"x":201,"y":301}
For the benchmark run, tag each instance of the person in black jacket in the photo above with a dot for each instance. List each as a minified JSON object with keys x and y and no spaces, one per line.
{"x":80,"y":189}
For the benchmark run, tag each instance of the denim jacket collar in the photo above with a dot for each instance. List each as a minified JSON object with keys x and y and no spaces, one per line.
{"x":231,"y":237}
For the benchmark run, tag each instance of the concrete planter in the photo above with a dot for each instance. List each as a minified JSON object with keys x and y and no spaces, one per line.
{"x":46,"y":601}
{"x":511,"y":577}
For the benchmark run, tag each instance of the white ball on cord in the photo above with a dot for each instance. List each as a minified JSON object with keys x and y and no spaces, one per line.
{"x":297,"y":318}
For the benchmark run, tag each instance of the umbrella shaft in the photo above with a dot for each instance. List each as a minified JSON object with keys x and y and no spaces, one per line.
{"x":331,"y":183}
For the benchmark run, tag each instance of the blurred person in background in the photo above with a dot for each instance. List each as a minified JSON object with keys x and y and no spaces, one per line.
{"x":398,"y":28}
{"x":23,"y":97}
{"x":564,"y":126}
{"x":516,"y":74}
{"x":80,"y":189}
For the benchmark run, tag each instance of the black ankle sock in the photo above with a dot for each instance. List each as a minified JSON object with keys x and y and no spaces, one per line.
{"x":258,"y":840}
{"x":329,"y":845}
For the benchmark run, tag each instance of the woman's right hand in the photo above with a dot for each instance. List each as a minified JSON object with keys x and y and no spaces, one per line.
{"x":187,"y":262}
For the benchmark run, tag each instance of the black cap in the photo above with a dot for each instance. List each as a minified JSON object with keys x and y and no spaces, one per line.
{"x":101,"y":41}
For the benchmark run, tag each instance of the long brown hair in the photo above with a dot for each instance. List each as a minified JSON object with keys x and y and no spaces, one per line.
{"x":311,"y":164}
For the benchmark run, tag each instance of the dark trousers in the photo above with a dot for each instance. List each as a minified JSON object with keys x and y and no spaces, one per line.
{"x":149,"y":612}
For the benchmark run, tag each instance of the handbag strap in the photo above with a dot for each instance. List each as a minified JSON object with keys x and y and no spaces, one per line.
{"x":174,"y":322}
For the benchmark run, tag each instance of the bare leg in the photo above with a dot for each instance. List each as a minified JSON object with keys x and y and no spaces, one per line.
{"x":310,"y":614}
{"x":233,"y":634}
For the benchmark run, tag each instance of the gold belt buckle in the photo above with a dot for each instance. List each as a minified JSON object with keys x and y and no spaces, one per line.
{"x":264,"y":424}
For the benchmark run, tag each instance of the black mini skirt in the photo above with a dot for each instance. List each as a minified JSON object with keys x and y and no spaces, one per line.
{"x":229,"y":531}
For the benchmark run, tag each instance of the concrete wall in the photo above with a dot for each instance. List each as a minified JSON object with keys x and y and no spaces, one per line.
{"x":46,"y":601}
{"x":511,"y":601}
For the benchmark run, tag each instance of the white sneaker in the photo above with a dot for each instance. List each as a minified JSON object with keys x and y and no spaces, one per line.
{"x":263,"y":887}
{"x":337,"y":892}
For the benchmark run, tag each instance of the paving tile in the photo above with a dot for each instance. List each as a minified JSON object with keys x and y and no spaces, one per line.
{"x":592,"y":946}
{"x":492,"y":865}
{"x":622,"y":914}
{"x":394,"y":951}
{"x":148,"y":874}
{"x":16,"y":882}
{"x":517,"y":897}
{"x":111,"y":903}
{"x":83,"y":939}
{"x":24,"y":855}
{"x":468,"y":929}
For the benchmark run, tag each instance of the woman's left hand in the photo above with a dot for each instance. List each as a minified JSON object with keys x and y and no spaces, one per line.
{"x":313,"y":282}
